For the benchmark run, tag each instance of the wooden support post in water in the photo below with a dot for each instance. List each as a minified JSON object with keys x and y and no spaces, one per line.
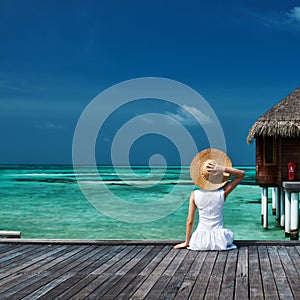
{"x":282,"y":214}
{"x":277,"y":201}
{"x":294,"y":216}
{"x":287,"y":209}
{"x":262,"y":206}
{"x":292,"y":190}
{"x":274,"y":203}
{"x":264,"y":203}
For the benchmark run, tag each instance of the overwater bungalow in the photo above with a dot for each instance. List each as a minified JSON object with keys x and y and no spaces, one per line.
{"x":277,"y":135}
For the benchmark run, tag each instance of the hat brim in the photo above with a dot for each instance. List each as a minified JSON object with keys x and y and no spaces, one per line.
{"x":198,"y":165}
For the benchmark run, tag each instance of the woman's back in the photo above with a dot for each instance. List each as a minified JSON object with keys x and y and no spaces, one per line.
{"x":210,"y":205}
{"x":210,"y":233}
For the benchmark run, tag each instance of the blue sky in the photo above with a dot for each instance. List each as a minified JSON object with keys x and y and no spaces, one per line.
{"x":56,"y":56}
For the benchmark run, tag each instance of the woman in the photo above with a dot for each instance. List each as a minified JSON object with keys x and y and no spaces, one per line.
{"x":210,"y":170}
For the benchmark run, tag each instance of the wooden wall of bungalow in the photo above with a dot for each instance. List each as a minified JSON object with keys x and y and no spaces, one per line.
{"x":272,"y":157}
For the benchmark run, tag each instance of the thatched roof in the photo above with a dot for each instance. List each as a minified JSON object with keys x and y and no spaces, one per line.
{"x":281,"y":120}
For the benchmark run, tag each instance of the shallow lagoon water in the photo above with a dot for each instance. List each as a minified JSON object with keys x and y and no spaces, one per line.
{"x":46,"y":202}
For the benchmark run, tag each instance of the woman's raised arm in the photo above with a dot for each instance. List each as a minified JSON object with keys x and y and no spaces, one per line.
{"x":238,"y":177}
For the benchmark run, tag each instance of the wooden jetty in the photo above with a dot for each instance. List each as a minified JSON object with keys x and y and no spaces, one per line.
{"x":89,"y":269}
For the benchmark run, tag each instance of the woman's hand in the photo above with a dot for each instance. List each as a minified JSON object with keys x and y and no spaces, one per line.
{"x":215,"y":168}
{"x":181,"y":246}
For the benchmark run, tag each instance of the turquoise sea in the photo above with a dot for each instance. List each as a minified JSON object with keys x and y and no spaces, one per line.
{"x":47,"y":202}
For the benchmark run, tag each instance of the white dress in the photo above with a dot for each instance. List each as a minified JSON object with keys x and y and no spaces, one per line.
{"x":210,"y":233}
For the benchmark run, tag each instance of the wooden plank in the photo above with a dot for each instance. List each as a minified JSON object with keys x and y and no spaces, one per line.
{"x":111,"y":285}
{"x":6,"y":249}
{"x":19,"y":280}
{"x":19,"y":270}
{"x":281,"y":281}
{"x":242,"y":284}
{"x":150,"y":281}
{"x":41,"y":282}
{"x":200,"y":286}
{"x":255,"y":278}
{"x":64,"y":281}
{"x":215,"y":280}
{"x":112,"y":255}
{"x":269,"y":285}
{"x":166,"y":276}
{"x":290,"y":271}
{"x":44,"y":288}
{"x":130,"y":280}
{"x":58,"y":274}
{"x":294,"y":255}
{"x":102,"y":274}
{"x":25,"y":257}
{"x":275,"y":262}
{"x":78,"y":273}
{"x":15,"y":255}
{"x":13,"y":276}
{"x":24,"y":283}
{"x":134,"y":285}
{"x":298,"y":249}
{"x":130,"y":252}
{"x":174,"y":285}
{"x":194,"y":271}
{"x":190,"y":278}
{"x":155,"y":261}
{"x":227,"y":287}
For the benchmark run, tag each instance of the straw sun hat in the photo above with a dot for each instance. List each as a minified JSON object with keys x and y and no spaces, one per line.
{"x":199,"y":173}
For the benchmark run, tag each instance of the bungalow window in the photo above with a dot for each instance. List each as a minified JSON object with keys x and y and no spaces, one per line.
{"x":269,"y":150}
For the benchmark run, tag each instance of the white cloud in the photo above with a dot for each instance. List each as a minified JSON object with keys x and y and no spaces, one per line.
{"x":200,"y":115}
{"x":145,"y":118}
{"x":280,"y":20}
{"x":184,"y":116}
{"x":294,"y":14}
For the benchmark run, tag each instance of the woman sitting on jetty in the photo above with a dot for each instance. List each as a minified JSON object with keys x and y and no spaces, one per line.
{"x":210,"y":171}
